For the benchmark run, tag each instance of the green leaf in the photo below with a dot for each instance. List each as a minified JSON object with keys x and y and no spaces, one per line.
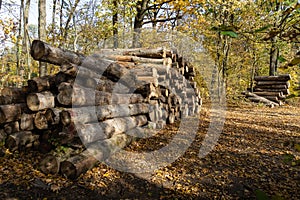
{"x":281,"y":59}
{"x":260,"y":195}
{"x":230,"y":33}
{"x":262,"y":28}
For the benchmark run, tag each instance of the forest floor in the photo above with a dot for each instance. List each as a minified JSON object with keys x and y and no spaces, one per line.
{"x":257,"y":156}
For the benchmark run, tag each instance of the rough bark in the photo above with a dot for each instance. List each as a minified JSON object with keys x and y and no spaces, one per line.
{"x":44,"y":52}
{"x":10,"y":113}
{"x":40,"y":101}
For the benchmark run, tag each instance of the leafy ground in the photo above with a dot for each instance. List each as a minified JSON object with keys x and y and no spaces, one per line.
{"x":257,"y":155}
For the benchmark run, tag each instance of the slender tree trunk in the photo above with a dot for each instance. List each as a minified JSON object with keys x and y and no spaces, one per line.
{"x":274,"y":53}
{"x":26,"y":37}
{"x":53,"y":21}
{"x":115,"y":24}
{"x":19,"y":47}
{"x":138,"y":22}
{"x":42,"y":32}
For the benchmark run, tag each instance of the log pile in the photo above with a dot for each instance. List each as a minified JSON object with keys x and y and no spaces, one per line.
{"x":270,"y":90}
{"x":103,"y":102}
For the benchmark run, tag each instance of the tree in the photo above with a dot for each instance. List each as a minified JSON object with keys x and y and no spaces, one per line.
{"x":42,"y":32}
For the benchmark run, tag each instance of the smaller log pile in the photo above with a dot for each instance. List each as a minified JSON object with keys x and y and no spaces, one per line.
{"x":102,"y":102}
{"x":270,"y":90}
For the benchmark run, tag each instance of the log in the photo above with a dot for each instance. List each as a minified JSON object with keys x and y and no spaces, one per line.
{"x":21,"y":140}
{"x":147,"y":53}
{"x":98,"y":151}
{"x":50,"y":164}
{"x":3,"y":136}
{"x":40,"y":120}
{"x":256,"y":98}
{"x":283,"y":91}
{"x":89,"y":133}
{"x":5,"y":100}
{"x":39,"y":84}
{"x":40,"y":101}
{"x":271,"y":87}
{"x":277,"y":94}
{"x":100,"y":113}
{"x":12,"y":127}
{"x":44,"y":52}
{"x":10,"y":113}
{"x":79,"y":96}
{"x":266,"y":83}
{"x":284,"y":77}
{"x":26,"y":122}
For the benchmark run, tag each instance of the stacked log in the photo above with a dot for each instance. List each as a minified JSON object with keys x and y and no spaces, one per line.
{"x":103,"y":102}
{"x":270,"y":90}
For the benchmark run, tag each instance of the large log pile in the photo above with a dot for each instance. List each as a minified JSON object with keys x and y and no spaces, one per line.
{"x":105,"y":100}
{"x":270,"y":90}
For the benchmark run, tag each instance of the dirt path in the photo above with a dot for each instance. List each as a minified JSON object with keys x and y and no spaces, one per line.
{"x":257,"y":154}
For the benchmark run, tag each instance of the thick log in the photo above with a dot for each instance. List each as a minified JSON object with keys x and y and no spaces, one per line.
{"x":89,"y":133}
{"x":147,"y":53}
{"x":40,"y":101}
{"x":39,"y":84}
{"x":267,"y":83}
{"x":256,"y":98}
{"x":12,"y":95}
{"x":284,"y":77}
{"x":98,"y":151}
{"x":10,"y":113}
{"x":276,"y":94}
{"x":271,"y":87}
{"x":21,"y":140}
{"x":40,"y":120}
{"x":79,"y":96}
{"x":27,"y":122}
{"x":100,"y":113}
{"x":12,"y":127}
{"x":283,"y":91}
{"x":51,"y":162}
{"x":44,"y":52}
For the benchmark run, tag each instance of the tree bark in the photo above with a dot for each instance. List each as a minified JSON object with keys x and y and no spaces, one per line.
{"x":89,"y":133}
{"x":21,"y":140}
{"x":40,"y":101}
{"x":46,"y":53}
{"x":100,"y":113}
{"x":80,"y":96}
{"x":10,"y":113}
{"x":98,"y":151}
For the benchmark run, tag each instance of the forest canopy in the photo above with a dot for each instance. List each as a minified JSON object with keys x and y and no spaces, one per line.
{"x":244,"y":38}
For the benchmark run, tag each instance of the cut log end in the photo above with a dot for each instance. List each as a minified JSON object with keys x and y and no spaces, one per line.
{"x":68,"y":170}
{"x":49,"y":165}
{"x":37,"y":49}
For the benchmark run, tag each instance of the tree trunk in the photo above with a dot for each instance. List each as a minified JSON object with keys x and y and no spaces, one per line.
{"x":42,"y":32}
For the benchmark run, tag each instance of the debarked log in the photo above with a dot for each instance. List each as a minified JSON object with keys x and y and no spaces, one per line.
{"x":100,"y":113}
{"x":40,"y":101}
{"x":89,"y":133}
{"x":79,"y":96}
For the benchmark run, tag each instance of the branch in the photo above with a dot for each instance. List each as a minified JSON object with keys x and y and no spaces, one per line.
{"x":163,"y":20}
